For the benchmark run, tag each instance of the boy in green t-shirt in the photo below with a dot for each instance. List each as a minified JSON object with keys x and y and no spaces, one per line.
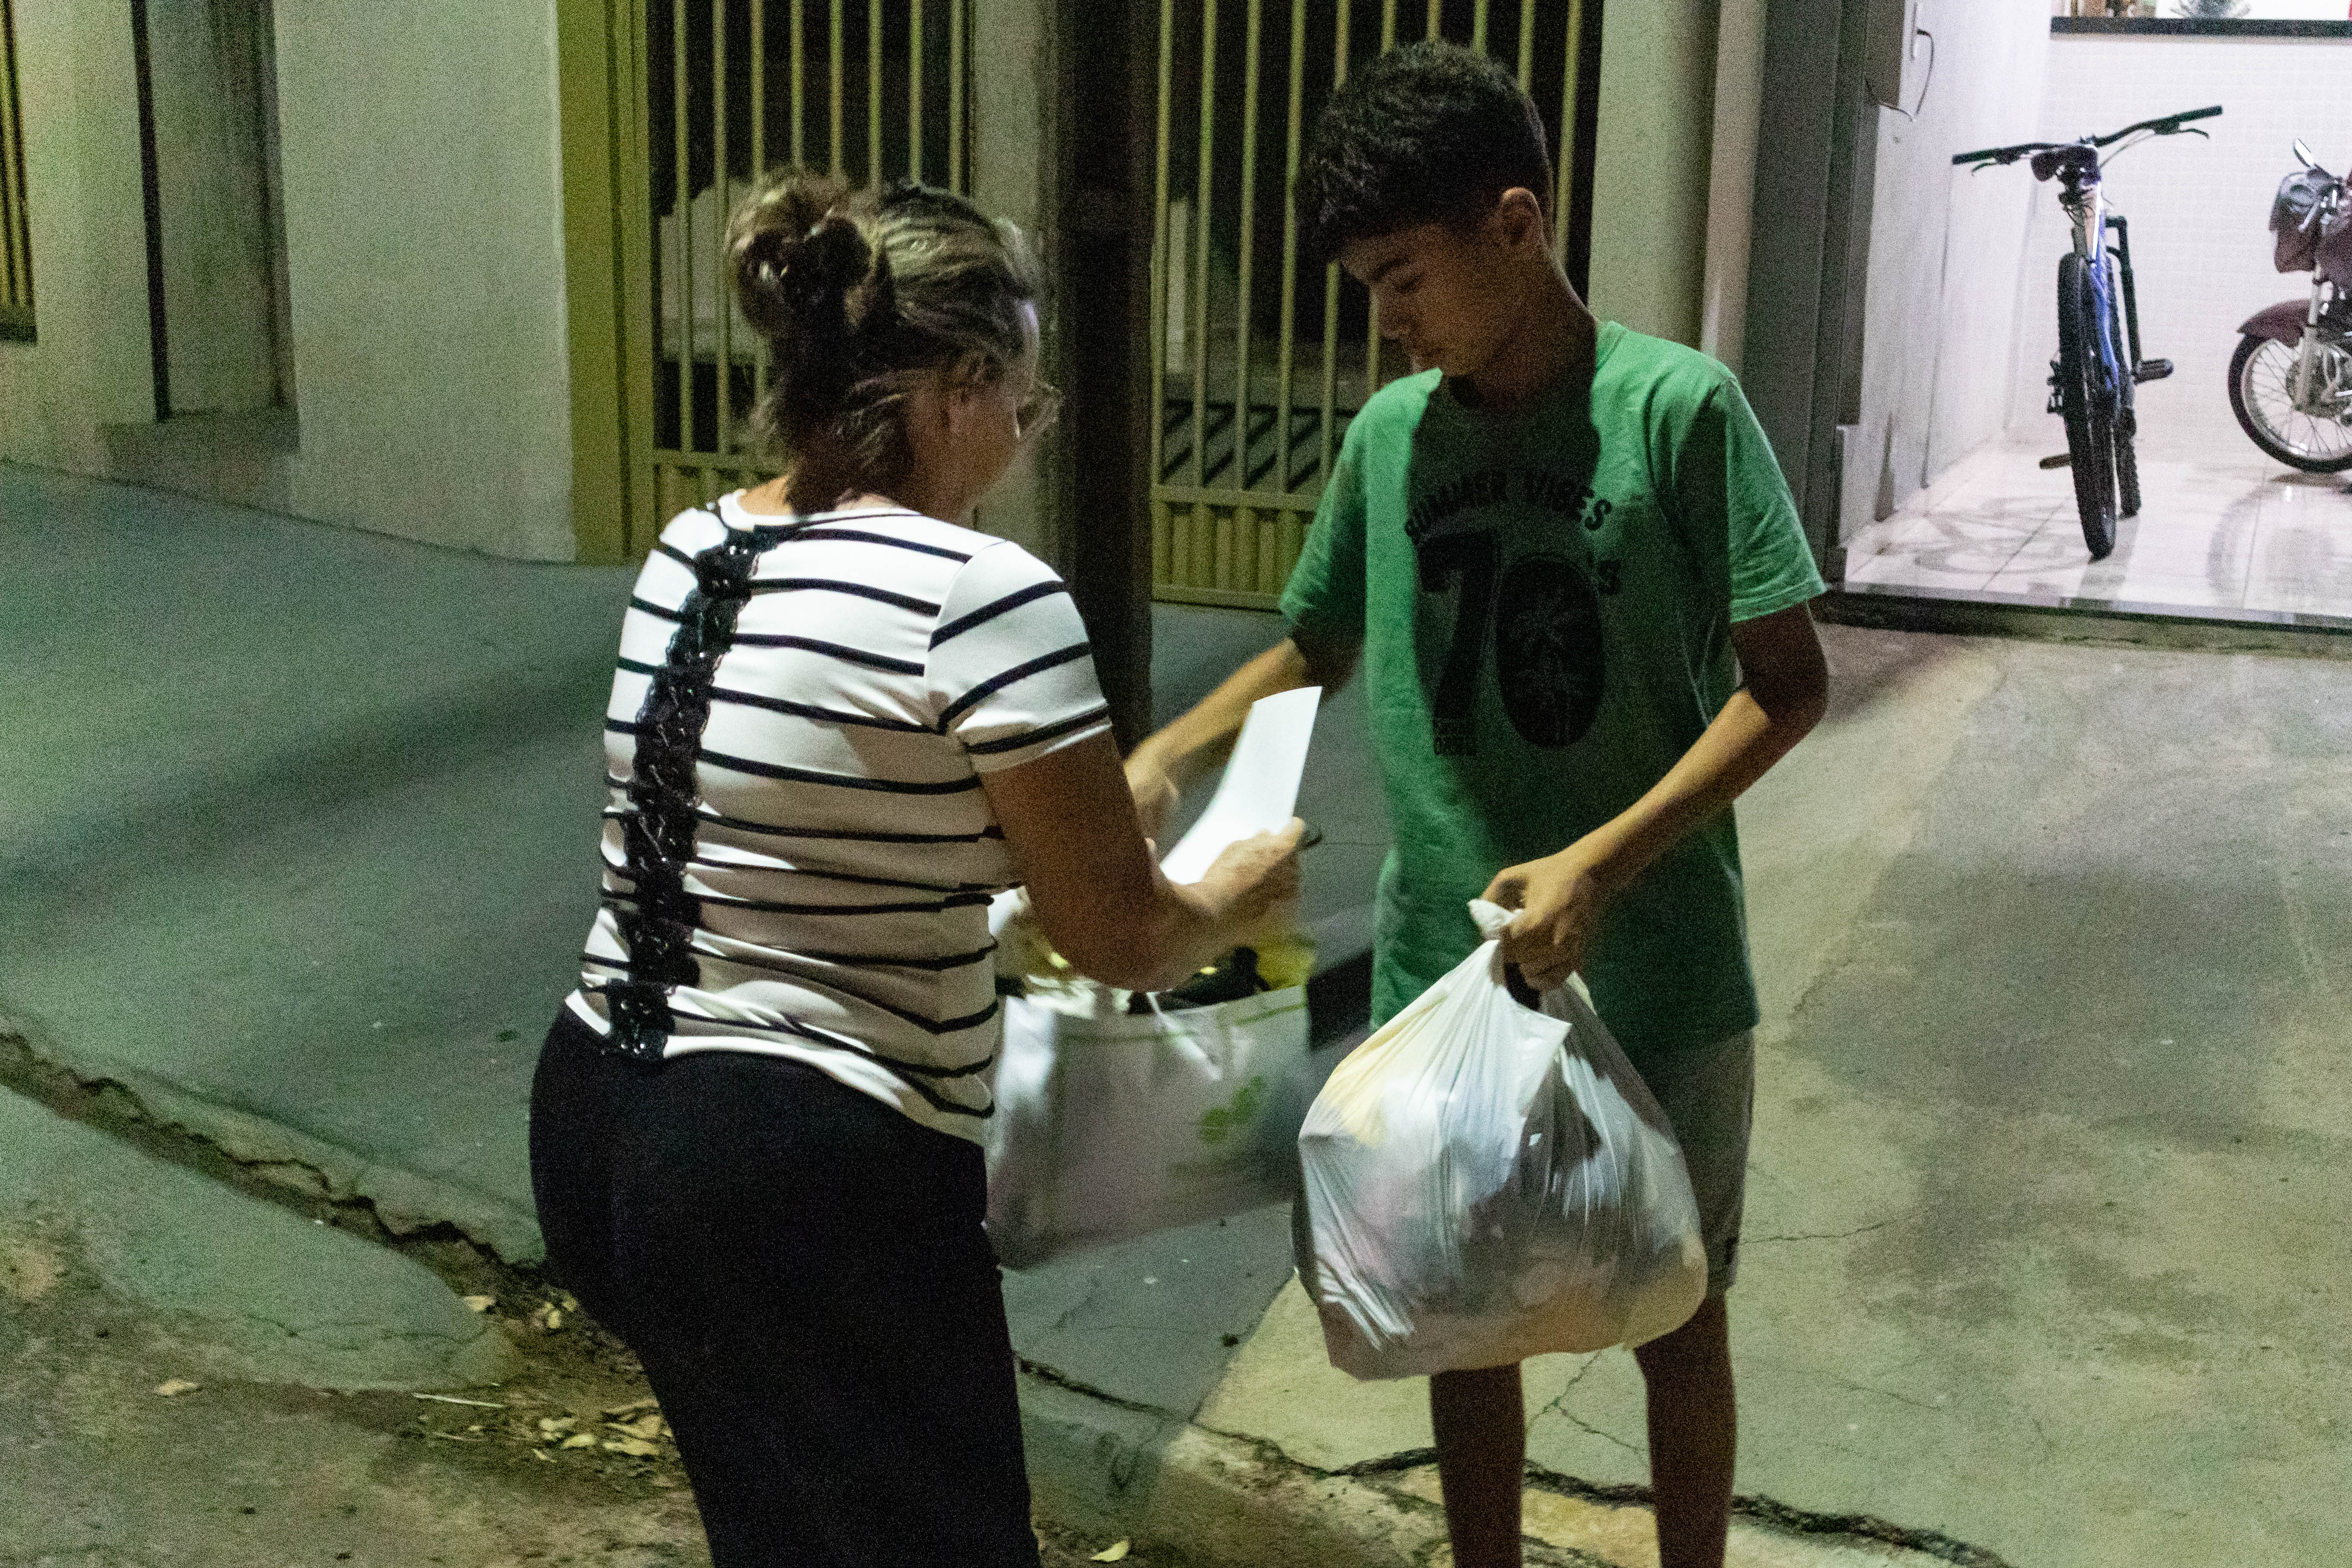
{"x":1571,"y":568}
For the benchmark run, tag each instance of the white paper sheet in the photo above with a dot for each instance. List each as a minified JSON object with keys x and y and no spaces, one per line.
{"x":1260,"y":788}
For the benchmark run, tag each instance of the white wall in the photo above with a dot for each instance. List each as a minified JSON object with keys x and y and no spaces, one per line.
{"x":425,"y":258}
{"x":2198,"y":209}
{"x":1940,"y":316}
{"x":423,"y":227}
{"x":89,"y":366}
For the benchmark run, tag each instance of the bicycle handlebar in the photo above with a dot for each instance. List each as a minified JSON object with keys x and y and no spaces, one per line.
{"x":2164,"y":125}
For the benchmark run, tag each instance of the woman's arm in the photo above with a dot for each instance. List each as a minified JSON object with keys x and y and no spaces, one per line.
{"x":1096,"y":887}
{"x":1168,"y":761}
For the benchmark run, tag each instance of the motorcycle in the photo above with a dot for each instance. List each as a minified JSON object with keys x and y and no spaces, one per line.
{"x":2291,"y":379}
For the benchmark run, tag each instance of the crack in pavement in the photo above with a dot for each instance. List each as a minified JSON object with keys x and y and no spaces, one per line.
{"x":1818,"y":1235}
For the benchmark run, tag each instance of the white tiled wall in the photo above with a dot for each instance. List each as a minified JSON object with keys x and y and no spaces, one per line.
{"x":2198,"y":210}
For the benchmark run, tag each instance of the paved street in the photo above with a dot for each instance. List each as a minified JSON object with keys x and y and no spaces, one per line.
{"x":2044,"y":1258}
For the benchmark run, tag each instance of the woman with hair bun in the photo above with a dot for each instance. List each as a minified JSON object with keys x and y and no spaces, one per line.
{"x":842,"y":722}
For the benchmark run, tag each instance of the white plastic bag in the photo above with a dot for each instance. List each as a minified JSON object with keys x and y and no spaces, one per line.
{"x":1110,"y":1124}
{"x":1486,"y":1182}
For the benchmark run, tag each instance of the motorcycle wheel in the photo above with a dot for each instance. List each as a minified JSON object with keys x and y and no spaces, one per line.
{"x":2259,"y":397}
{"x":2090,"y":427}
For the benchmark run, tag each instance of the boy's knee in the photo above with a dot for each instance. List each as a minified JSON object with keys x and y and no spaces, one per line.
{"x":1700,"y":1348}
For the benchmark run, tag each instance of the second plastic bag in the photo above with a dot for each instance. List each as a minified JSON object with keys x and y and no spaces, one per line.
{"x":1486,"y":1182}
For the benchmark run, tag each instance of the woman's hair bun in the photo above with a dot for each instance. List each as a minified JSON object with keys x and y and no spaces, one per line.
{"x":795,"y":256}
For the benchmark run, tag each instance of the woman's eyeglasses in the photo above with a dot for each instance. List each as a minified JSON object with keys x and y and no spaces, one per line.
{"x":1035,"y":414}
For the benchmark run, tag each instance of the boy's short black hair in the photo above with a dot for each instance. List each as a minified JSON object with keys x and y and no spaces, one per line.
{"x":1431,"y":132}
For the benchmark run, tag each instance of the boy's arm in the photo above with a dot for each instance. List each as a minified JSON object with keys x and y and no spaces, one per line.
{"x":1560,"y":897}
{"x":1158,"y":770}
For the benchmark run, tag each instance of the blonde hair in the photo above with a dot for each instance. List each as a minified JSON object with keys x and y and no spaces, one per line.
{"x":859,"y":293}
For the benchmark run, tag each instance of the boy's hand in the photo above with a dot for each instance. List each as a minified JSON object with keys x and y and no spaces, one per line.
{"x":1560,"y":899}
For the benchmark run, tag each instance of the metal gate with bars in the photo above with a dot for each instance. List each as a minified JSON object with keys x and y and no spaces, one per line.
{"x":15,"y":230}
{"x":705,"y":94}
{"x":1248,"y":408}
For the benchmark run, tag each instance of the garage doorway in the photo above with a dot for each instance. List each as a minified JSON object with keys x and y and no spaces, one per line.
{"x":1952,"y":486}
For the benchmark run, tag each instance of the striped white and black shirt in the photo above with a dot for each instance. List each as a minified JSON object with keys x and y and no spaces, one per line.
{"x":843,"y":853}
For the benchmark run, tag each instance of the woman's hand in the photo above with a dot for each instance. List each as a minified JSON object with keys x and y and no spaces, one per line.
{"x":1254,"y":878}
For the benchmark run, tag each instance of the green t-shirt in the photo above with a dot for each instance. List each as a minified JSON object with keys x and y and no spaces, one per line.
{"x":1544,"y":597}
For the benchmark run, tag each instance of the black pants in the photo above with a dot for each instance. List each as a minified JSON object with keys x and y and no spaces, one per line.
{"x":803,"y":1273}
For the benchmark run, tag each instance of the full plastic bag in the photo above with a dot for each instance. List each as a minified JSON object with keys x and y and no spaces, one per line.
{"x":1119,"y":1114}
{"x":1112,"y":1123}
{"x":1486,"y":1182}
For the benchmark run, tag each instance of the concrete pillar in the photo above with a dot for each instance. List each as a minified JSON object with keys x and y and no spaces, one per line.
{"x":1731,"y":180}
{"x":1016,"y":163}
{"x":1652,"y":172}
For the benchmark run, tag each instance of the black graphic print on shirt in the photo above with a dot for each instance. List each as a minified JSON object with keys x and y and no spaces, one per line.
{"x":1540,"y":610}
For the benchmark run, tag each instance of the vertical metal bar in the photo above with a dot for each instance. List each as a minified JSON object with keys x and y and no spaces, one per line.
{"x":955,"y":95}
{"x":1566,"y":132}
{"x":1162,"y":264}
{"x":760,"y":148}
{"x":1478,"y":25}
{"x":1245,"y":261}
{"x":836,"y":100}
{"x":682,"y":224}
{"x":633,"y":120}
{"x":1204,"y":196}
{"x":1291,"y":137}
{"x":1372,"y":308}
{"x":159,"y":342}
{"x":15,"y":226}
{"x":800,"y":81}
{"x":914,"y":90}
{"x":1526,"y":44}
{"x":1199,"y":521}
{"x":1237,"y":538}
{"x":722,"y":187}
{"x":1436,"y":17}
{"x":1332,"y":290}
{"x":873,"y":92}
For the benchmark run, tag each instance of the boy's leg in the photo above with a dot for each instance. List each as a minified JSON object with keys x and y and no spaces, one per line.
{"x":1694,"y":1437}
{"x":1708,"y":1094}
{"x":1482,"y":1456}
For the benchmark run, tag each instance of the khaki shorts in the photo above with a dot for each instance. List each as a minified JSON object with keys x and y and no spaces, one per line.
{"x":1708,"y":1093}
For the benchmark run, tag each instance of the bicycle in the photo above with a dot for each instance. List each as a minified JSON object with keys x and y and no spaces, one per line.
{"x":2091,"y":383}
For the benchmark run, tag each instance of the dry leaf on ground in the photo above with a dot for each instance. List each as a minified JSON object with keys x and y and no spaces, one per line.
{"x":580,"y":1440}
{"x":479,"y":1303}
{"x":645,"y":1427}
{"x":632,"y":1407}
{"x":635,"y":1448}
{"x":553,"y":1424}
{"x":1115,"y":1553}
{"x":174,"y":1387}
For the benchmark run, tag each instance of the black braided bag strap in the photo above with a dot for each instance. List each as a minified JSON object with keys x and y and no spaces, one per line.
{"x":658,"y":829}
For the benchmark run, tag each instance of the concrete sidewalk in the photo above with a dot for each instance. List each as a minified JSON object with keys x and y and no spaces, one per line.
{"x":2044,"y":1246}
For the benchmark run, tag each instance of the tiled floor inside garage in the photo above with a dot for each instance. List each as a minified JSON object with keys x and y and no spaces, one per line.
{"x":2213,"y":536}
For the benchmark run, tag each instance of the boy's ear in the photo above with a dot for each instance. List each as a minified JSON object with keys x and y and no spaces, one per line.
{"x":1519,"y":218}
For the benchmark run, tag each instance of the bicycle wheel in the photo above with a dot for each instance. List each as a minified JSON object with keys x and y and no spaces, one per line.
{"x":2090,"y":430}
{"x":2127,"y":414}
{"x":2266,"y":411}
